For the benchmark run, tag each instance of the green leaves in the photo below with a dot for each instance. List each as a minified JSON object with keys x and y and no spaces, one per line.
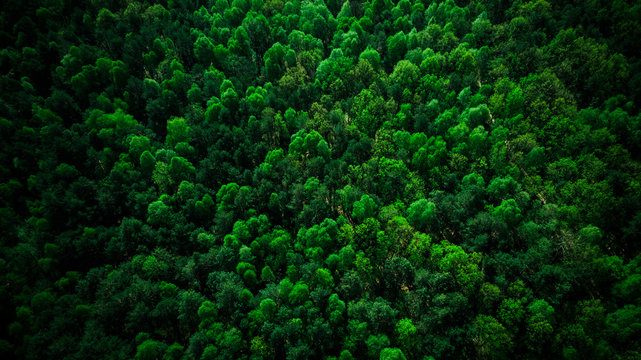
{"x":405,"y":78}
{"x":372,"y":56}
{"x":229,"y":99}
{"x":159,"y":214}
{"x":422,"y":214}
{"x":226,"y":195}
{"x":204,"y":208}
{"x":508,"y":212}
{"x":432,"y":154}
{"x":147,"y":162}
{"x":299,"y":294}
{"x":623,"y":325}
{"x":181,"y":169}
{"x":491,"y":339}
{"x":376,"y":344}
{"x":324,"y":278}
{"x":370,"y":111}
{"x":396,"y":47}
{"x":364,"y":208}
{"x":150,"y":350}
{"x":311,"y":179}
{"x":111,"y":127}
{"x":408,"y":335}
{"x":392,"y":354}
{"x":333,"y":68}
{"x":309,"y":145}
{"x":177,"y":132}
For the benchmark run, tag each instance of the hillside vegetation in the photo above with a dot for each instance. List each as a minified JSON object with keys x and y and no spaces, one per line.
{"x":251,"y":179}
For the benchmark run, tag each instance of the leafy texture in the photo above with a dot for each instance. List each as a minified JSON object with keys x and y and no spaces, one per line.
{"x":320,"y":179}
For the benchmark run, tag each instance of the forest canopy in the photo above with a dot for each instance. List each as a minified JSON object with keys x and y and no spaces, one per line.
{"x":270,"y":179}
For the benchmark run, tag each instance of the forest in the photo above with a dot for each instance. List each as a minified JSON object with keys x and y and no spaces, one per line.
{"x":271,"y":179}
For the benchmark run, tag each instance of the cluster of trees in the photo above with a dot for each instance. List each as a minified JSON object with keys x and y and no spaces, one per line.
{"x":267,"y":179}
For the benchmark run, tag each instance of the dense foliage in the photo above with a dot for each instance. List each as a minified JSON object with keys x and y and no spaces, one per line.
{"x":255,"y":179}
